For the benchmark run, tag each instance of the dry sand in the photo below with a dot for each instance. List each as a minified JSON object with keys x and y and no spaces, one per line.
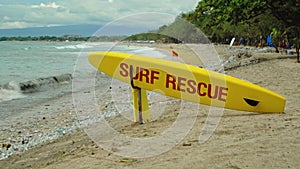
{"x":242,"y":139}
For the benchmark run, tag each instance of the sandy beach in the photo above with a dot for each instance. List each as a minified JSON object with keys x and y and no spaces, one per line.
{"x":241,"y":139}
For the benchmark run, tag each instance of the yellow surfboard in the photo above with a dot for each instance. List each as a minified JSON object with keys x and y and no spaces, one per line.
{"x":187,"y":82}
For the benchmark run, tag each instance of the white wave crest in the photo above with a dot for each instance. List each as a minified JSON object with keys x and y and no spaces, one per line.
{"x":10,"y":91}
{"x":78,"y":46}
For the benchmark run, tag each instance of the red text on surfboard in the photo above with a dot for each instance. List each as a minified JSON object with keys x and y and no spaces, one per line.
{"x":149,"y":76}
{"x":180,"y":84}
{"x":191,"y":86}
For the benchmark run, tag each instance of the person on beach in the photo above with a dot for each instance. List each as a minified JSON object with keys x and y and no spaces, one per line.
{"x":269,"y":41}
{"x":283,"y":47}
{"x":241,"y":42}
{"x":260,"y":44}
{"x":282,"y":44}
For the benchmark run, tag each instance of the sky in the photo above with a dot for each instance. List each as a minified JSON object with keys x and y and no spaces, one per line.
{"x":48,"y":13}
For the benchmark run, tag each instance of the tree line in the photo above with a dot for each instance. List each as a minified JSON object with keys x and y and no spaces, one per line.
{"x":249,"y":20}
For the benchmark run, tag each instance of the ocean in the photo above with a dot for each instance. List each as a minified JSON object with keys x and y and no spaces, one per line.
{"x":34,"y":72}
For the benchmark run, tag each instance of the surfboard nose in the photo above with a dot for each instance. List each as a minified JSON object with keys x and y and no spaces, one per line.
{"x":95,"y":58}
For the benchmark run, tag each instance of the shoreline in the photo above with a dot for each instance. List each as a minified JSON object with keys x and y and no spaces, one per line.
{"x":242,"y":136}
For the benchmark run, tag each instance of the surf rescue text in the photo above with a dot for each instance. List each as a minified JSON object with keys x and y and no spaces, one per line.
{"x":173,"y":82}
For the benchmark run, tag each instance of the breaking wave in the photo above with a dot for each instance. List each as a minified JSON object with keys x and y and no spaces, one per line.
{"x":15,"y":90}
{"x":10,"y":91}
{"x":78,"y":46}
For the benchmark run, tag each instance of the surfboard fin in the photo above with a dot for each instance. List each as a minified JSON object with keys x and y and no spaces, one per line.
{"x":251,"y":102}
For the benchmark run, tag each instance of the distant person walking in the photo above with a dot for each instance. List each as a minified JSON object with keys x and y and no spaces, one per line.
{"x":269,"y":41}
{"x":283,"y":46}
{"x":260,"y":41}
{"x":241,"y":41}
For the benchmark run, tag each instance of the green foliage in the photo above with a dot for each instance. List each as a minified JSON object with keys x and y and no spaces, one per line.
{"x":287,"y":11}
{"x":177,"y":32}
{"x":151,"y":36}
{"x":248,"y":19}
{"x":183,"y":31}
{"x":222,"y":20}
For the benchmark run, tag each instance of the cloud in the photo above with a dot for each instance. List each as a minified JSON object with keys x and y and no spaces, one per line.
{"x":15,"y":24}
{"x":48,"y":5}
{"x":100,"y":12}
{"x":35,"y":16}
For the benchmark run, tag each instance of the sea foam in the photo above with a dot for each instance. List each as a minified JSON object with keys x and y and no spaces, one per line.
{"x":10,"y":91}
{"x":15,"y":90}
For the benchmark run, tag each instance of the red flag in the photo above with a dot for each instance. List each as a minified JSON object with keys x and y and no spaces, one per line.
{"x":174,"y":53}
